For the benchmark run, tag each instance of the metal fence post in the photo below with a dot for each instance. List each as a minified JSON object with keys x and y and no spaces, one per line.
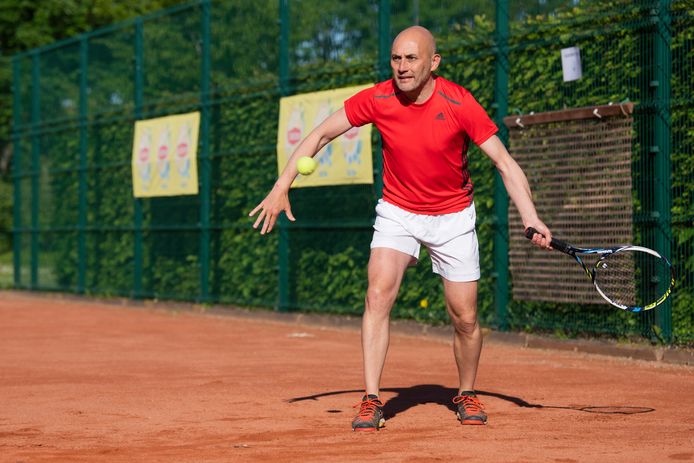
{"x":383,"y":73}
{"x":383,"y":39}
{"x":662,"y":126}
{"x":137,"y":202}
{"x":283,"y":304}
{"x":205,"y":166}
{"x":82,"y":245}
{"x":35,"y":165}
{"x":17,"y":172}
{"x":501,"y":289}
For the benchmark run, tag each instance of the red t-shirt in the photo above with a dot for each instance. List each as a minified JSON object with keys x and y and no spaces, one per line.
{"x":424,"y":145}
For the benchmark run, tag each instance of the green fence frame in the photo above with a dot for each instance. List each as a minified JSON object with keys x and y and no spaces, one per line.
{"x":655,"y":109}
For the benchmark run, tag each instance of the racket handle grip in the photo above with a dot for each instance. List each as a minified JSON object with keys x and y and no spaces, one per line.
{"x":559,"y":245}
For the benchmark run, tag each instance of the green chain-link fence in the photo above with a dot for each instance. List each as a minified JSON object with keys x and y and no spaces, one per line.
{"x":77,"y":227}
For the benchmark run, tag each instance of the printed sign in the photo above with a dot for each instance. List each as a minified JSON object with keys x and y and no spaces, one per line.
{"x":345,"y":161}
{"x":164,"y":159}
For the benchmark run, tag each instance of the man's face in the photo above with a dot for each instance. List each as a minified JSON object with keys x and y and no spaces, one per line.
{"x":411,"y":64}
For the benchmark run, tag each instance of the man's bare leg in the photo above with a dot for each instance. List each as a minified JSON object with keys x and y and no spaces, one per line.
{"x":386,"y":270}
{"x":461,"y":302}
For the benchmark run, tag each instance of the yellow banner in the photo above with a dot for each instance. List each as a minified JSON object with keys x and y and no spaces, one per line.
{"x":345,"y":161}
{"x":164,"y":160}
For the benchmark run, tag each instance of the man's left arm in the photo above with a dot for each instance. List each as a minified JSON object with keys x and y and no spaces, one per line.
{"x":516,"y":184}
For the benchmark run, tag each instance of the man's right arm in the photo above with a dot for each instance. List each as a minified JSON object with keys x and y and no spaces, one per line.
{"x":278,"y":199}
{"x":518,"y":189}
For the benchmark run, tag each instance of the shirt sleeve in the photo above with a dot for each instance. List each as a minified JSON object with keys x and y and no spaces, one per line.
{"x":359,"y":108}
{"x":475,"y":121}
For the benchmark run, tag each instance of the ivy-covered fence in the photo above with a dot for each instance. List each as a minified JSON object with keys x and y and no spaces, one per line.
{"x":77,"y":227}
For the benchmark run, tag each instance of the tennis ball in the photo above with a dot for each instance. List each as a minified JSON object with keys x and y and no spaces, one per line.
{"x":306,"y":165}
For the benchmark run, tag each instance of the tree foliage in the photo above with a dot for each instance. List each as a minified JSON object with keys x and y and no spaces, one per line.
{"x":27,"y":24}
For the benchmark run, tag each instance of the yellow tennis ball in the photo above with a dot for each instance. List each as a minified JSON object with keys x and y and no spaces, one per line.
{"x":306,"y":165}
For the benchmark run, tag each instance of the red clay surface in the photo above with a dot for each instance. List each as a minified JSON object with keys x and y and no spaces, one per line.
{"x":88,"y":381}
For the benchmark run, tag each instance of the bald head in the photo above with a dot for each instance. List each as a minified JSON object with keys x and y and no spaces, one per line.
{"x":413,"y":58}
{"x":419,"y":35}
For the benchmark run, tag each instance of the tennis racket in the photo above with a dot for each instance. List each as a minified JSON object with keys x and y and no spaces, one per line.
{"x":632,"y":278}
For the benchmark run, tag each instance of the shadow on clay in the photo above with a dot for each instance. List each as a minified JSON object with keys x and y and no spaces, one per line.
{"x":408,"y":397}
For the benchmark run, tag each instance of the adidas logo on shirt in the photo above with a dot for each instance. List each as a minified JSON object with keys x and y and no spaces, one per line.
{"x":440,"y":117}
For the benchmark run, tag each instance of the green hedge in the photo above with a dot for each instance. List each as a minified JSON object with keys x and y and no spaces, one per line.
{"x":327,"y":262}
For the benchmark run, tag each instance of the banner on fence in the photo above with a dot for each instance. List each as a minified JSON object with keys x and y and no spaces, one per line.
{"x":345,"y":161}
{"x":164,"y":158}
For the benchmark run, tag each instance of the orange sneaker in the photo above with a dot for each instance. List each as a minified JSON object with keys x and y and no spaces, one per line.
{"x":370,"y":416}
{"x":470,"y":409}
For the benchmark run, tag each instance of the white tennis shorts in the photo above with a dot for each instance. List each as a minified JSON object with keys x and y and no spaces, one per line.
{"x":451,"y":239}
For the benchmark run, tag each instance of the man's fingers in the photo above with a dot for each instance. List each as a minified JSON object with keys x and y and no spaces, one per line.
{"x":267,"y":218}
{"x":540,"y":241}
{"x":259,"y":219}
{"x":267,"y":225}
{"x":270,"y":226}
{"x":542,"y":237}
{"x":546,"y":238}
{"x":257,"y":208}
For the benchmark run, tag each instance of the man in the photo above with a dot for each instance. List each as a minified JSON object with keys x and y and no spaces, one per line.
{"x":426,"y":123}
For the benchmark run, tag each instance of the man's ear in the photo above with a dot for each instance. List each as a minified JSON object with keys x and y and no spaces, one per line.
{"x":435,"y":61}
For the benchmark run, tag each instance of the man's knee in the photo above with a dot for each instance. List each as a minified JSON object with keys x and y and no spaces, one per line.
{"x":380,"y":298}
{"x":465,"y":321}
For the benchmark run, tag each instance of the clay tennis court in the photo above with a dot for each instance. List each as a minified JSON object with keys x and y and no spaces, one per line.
{"x":91,"y":381}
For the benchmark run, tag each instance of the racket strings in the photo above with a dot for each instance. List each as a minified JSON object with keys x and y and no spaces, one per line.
{"x":632,"y":278}
{"x":615,"y":276}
